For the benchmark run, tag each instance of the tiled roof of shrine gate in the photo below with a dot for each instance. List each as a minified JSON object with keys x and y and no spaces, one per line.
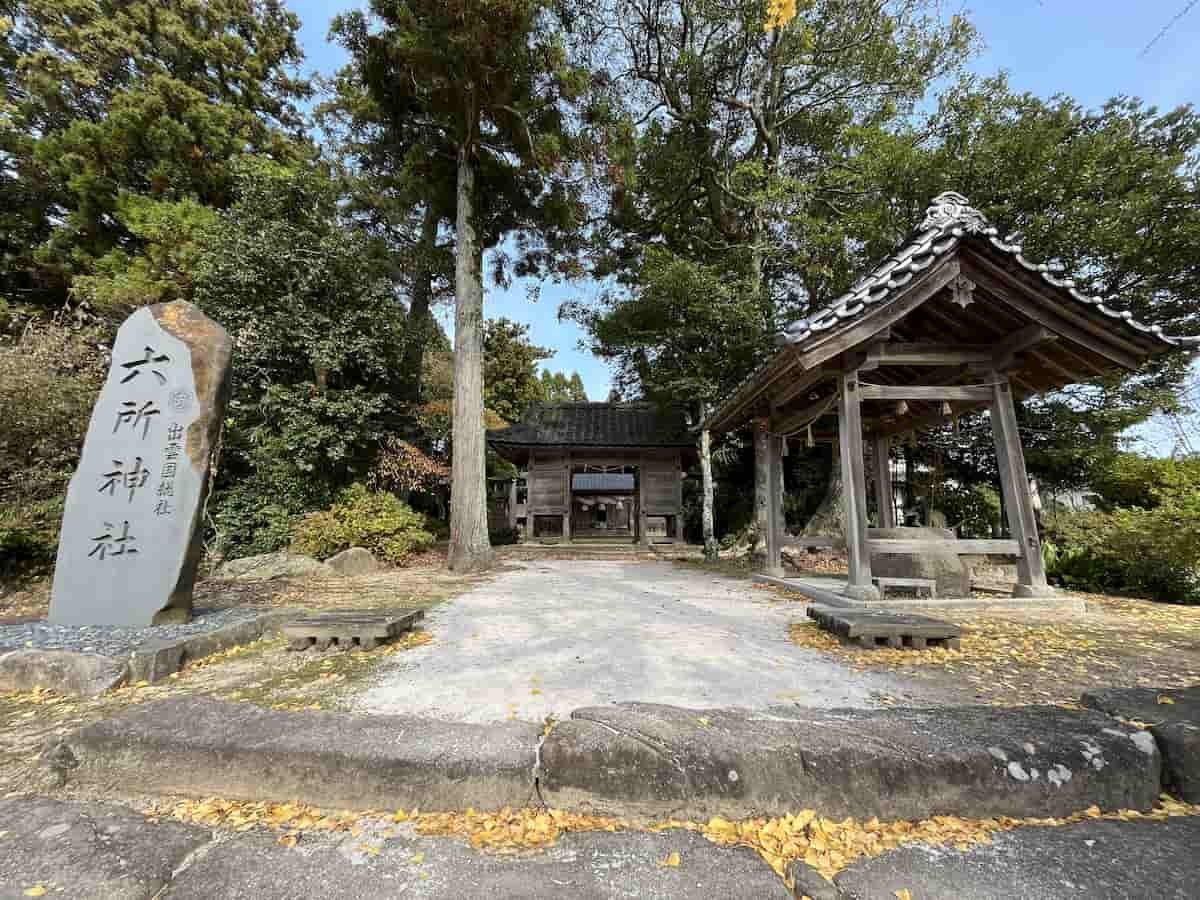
{"x":596,"y":425}
{"x":947,"y":222}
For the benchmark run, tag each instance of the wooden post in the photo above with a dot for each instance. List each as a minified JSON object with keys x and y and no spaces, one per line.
{"x":1014,"y":482}
{"x":884,"y":495}
{"x":643,"y":532}
{"x":773,"y":564}
{"x":854,"y":477}
{"x":567,"y":498}
{"x":512,"y":504}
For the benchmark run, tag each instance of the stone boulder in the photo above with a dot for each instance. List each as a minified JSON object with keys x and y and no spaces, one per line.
{"x":66,"y":671}
{"x":355,"y":561}
{"x":274,"y":565}
{"x":946,"y":568}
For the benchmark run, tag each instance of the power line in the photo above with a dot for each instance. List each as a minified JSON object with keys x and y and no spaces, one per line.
{"x":1158,"y":37}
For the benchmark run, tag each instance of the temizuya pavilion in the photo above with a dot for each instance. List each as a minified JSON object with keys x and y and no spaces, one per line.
{"x":956,"y":320}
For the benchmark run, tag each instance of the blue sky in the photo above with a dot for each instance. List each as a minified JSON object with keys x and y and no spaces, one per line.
{"x":1089,"y":49}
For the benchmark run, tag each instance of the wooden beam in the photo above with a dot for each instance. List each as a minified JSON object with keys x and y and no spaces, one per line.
{"x":730,"y":412}
{"x":884,"y":496}
{"x":935,"y":392}
{"x":883,"y":316}
{"x":962,"y":548}
{"x":921,"y":354}
{"x":1062,"y":321}
{"x":793,"y":422}
{"x":803,"y":381}
{"x":850,"y":443}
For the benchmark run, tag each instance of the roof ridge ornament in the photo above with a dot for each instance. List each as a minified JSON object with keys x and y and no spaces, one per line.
{"x":951,"y":209}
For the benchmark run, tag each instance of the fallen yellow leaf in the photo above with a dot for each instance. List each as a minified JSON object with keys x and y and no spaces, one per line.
{"x":36,"y":891}
{"x":903,"y":894}
{"x":671,"y":860}
{"x":1164,"y":700}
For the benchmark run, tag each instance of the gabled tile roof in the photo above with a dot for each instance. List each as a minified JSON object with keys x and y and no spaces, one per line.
{"x":947,"y":222}
{"x":596,"y":425}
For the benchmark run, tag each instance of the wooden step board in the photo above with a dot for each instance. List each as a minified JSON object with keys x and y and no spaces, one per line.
{"x":352,"y":628}
{"x":879,"y":628}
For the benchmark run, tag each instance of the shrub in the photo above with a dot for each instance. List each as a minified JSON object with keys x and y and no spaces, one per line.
{"x":503,"y":536}
{"x":360,"y":517}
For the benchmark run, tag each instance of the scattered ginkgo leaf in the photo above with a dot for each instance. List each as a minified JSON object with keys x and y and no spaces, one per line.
{"x":36,"y":891}
{"x":671,"y":860}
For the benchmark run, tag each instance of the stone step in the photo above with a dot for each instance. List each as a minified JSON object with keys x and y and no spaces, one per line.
{"x":632,"y":760}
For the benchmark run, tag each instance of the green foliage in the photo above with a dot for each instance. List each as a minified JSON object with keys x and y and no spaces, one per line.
{"x":974,"y":510}
{"x":319,"y":335}
{"x":109,"y":100}
{"x":503,"y":536}
{"x":556,"y":387}
{"x":49,"y":379}
{"x":510,"y":361}
{"x":360,"y":517}
{"x":1151,"y":549}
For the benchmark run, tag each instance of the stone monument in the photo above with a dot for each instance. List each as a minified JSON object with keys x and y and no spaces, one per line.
{"x":131,"y":532}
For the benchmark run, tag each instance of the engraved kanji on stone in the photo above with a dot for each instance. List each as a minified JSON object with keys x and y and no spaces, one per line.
{"x":150,"y":359}
{"x":164,"y":508}
{"x":168,"y":470}
{"x":109,"y":544}
{"x":130,"y":479}
{"x":166,"y":489}
{"x":132,"y":414}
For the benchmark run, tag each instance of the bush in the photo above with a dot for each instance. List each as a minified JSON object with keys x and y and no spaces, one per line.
{"x":503,"y":536}
{"x":1143,"y":552}
{"x":360,"y":517}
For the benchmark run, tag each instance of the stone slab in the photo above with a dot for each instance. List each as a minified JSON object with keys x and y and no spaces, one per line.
{"x":196,"y":746}
{"x":1175,"y":726}
{"x":588,"y":866}
{"x":88,"y":851}
{"x":130,"y":543}
{"x":65,"y":671}
{"x":1097,"y":859}
{"x":368,"y":627}
{"x":895,"y":629}
{"x":633,"y":759}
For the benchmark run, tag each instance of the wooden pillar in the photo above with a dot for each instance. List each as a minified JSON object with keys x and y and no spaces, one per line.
{"x":566,"y":523}
{"x":773,"y":564}
{"x":512,"y":504}
{"x":643,"y":532}
{"x":854,"y":478}
{"x":884,"y":495}
{"x":1014,"y":482}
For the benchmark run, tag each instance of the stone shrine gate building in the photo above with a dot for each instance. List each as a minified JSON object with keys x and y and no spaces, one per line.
{"x":596,"y":470}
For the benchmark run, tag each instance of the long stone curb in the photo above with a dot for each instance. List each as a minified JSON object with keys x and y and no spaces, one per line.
{"x":197,"y":746}
{"x":632,"y":760}
{"x":892,"y":763}
{"x":1173,"y":718}
{"x":89,"y":674}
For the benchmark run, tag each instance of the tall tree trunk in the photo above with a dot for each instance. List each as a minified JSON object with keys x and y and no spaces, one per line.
{"x":420,"y":321}
{"x":706,"y":489}
{"x":758,"y":551}
{"x":470,"y":550}
{"x":830,"y":518}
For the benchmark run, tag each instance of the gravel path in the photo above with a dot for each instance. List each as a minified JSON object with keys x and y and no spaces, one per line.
{"x":110,"y":640}
{"x":554,"y":635}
